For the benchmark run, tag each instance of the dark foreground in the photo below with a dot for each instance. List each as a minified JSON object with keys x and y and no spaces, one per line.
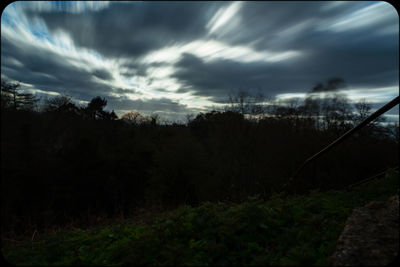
{"x":293,"y":230}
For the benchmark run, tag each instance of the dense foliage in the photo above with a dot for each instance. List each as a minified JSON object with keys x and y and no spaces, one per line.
{"x":65,"y":163}
{"x":293,"y":230}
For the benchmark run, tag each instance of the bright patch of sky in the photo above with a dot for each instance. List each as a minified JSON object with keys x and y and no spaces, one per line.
{"x":371,"y":95}
{"x":223,"y":16}
{"x":209,"y":50}
{"x":38,"y":91}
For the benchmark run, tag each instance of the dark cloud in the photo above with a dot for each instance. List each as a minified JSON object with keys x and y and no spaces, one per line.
{"x":102,"y":74}
{"x":332,"y":84}
{"x":220,"y":78}
{"x":362,"y":61}
{"x":125,"y":91}
{"x":363,"y":56}
{"x":135,"y":28}
{"x":137,"y":68}
{"x":295,"y":25}
{"x":161,"y":90}
{"x":374,"y":63}
{"x":217,"y":79}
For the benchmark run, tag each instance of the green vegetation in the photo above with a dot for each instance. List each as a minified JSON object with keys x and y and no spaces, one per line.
{"x":292,"y":230}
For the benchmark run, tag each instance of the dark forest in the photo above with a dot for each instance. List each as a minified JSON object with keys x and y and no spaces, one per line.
{"x":67,"y":163}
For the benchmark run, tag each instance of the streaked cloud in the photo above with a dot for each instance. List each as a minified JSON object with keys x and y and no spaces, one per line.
{"x":374,"y":14}
{"x":223,"y":16}
{"x":189,"y":56}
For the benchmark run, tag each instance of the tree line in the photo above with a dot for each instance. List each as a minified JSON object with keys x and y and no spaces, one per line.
{"x":68,"y":162}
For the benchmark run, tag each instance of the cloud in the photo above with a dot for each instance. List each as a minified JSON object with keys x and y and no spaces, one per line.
{"x":223,"y":16}
{"x":219,"y":78}
{"x":102,"y":74}
{"x":377,"y":14}
{"x":49,"y":70}
{"x":132,"y":29}
{"x":294,"y":25}
{"x":185,"y":56}
{"x":125,"y":91}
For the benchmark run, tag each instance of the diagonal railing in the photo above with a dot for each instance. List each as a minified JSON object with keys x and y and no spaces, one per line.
{"x":350,"y":187}
{"x":362,"y":124}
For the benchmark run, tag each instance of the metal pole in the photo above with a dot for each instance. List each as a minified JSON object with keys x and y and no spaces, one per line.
{"x":362,"y":124}
{"x":350,"y":187}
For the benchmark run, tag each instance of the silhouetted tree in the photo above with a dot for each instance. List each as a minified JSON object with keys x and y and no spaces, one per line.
{"x":154,"y":119}
{"x":11,"y":97}
{"x":27,"y":101}
{"x":337,"y":112}
{"x":112,"y":115}
{"x":61,"y":104}
{"x":133,"y":116}
{"x":56,"y":102}
{"x":95,"y":107}
{"x":248,"y":104}
{"x":363,"y":109}
{"x":394,"y":132}
{"x":327,"y":107}
{"x":95,"y":110}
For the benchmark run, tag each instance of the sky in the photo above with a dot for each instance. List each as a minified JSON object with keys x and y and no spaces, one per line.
{"x":178,"y":58}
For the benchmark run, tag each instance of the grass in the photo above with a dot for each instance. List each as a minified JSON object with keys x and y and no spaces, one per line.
{"x":293,"y":230}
